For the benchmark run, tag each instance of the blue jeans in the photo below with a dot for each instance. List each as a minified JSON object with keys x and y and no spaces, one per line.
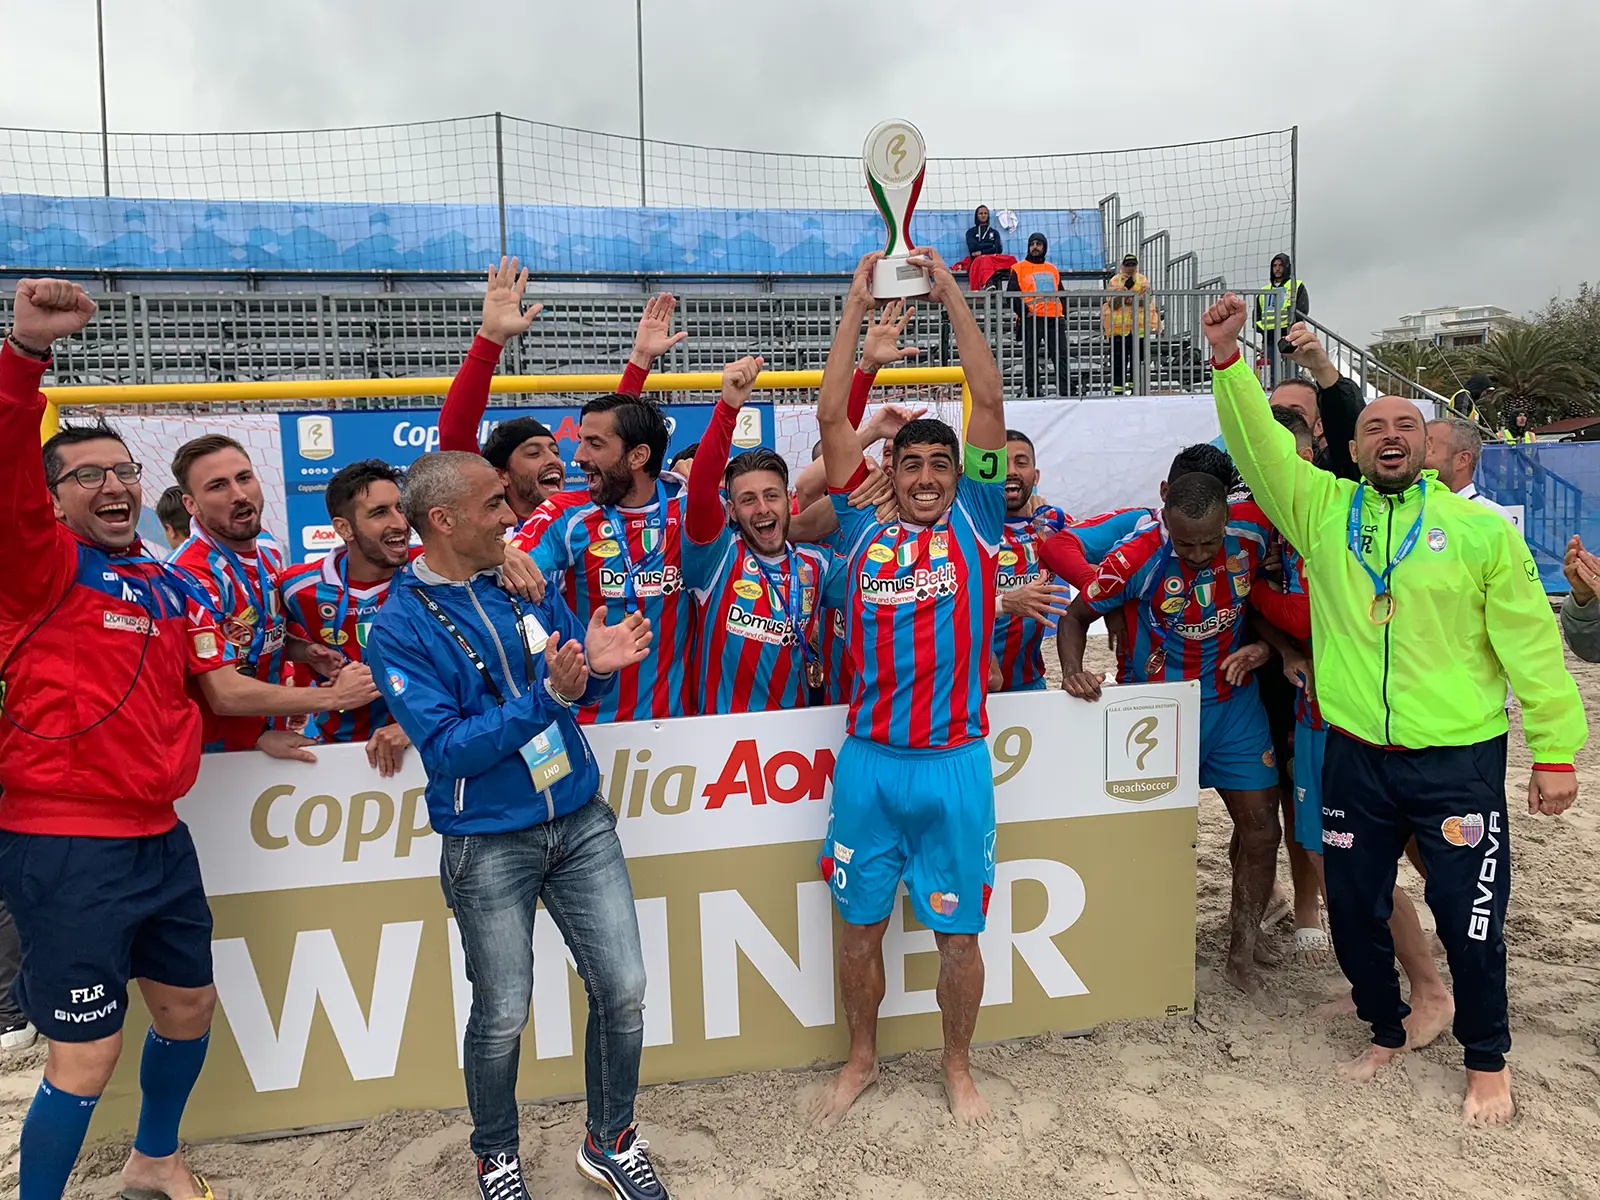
{"x":494,"y":882}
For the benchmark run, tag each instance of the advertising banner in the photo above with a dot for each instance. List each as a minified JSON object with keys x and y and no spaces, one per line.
{"x":316,"y":445}
{"x":342,"y":985}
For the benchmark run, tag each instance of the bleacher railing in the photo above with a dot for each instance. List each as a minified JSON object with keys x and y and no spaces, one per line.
{"x":141,"y":338}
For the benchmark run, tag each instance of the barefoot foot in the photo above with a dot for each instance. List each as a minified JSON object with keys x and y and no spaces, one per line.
{"x":1431,"y":1014}
{"x":967,"y":1106}
{"x":829,"y":1105}
{"x":1368,"y":1063}
{"x":1241,"y":972}
{"x":1488,"y":1099}
{"x":1266,"y":953}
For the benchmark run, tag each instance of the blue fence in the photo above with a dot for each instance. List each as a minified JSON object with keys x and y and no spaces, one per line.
{"x":97,"y":233}
{"x":1557,"y":486}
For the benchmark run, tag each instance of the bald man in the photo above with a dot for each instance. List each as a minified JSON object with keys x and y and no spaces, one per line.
{"x":1422,"y":604}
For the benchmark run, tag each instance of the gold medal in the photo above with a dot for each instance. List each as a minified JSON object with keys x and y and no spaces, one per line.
{"x":814,"y":672}
{"x":1383,"y":600}
{"x":1155,"y":664}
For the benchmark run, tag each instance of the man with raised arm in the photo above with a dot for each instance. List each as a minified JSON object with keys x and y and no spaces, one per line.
{"x":1424,"y":604}
{"x":99,"y":647}
{"x":914,"y":795}
{"x":522,"y":449}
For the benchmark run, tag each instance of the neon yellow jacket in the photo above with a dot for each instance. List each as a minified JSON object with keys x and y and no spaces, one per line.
{"x":1468,"y":602}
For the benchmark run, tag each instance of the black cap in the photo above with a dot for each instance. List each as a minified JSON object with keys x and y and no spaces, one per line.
{"x":1131,"y":258}
{"x":505,"y":437}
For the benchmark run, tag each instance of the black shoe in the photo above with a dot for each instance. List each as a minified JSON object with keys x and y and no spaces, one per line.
{"x":500,"y":1178}
{"x":626,"y":1171}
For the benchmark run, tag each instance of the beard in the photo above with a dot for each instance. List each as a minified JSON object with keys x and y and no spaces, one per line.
{"x":611,"y":484}
{"x":379,"y":555}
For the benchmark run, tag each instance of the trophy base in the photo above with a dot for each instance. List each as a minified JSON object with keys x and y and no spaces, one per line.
{"x":896,"y":279}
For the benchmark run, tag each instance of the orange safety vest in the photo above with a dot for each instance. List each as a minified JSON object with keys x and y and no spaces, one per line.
{"x":1117,"y":315}
{"x":1028,"y":280}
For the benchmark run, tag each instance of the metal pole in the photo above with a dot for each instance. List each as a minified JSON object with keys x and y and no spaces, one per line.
{"x":638,"y":26}
{"x":105,"y":137}
{"x":1294,"y":198}
{"x":500,"y":164}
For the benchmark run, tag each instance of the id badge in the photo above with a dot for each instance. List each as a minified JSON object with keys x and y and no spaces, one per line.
{"x":546,"y":756}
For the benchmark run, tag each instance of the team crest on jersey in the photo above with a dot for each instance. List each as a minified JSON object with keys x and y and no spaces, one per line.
{"x":808,"y":600}
{"x":879,"y":553}
{"x":1240,"y":585}
{"x":748,"y":588}
{"x":1236,"y":563}
{"x":939,"y":545}
{"x":1173,"y":585}
{"x":1008,"y":558}
{"x":605,"y":549}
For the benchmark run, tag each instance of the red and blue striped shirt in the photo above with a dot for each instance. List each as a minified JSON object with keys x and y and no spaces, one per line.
{"x":919,"y":614}
{"x":1018,"y":641}
{"x":622,"y":560}
{"x":1183,"y":623}
{"x":316,"y":596}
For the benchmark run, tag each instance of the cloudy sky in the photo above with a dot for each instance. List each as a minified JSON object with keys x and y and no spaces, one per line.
{"x":1447,"y":150}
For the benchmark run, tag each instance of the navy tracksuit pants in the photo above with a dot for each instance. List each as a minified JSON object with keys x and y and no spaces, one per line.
{"x":1453,"y":798}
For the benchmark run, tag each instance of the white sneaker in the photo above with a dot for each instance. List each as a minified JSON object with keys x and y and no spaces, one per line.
{"x":18,"y":1037}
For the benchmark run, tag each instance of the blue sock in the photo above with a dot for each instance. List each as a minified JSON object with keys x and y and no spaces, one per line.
{"x":52,"y":1135}
{"x":166,"y":1077}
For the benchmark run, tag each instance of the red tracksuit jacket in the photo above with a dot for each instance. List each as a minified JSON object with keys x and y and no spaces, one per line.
{"x":77,"y":642}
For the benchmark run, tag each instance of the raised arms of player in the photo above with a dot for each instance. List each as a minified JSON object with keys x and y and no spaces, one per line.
{"x":841,"y":448}
{"x":30,"y":537}
{"x":1288,"y":489}
{"x":503,"y":319}
{"x":986,"y":424}
{"x":706,"y":517}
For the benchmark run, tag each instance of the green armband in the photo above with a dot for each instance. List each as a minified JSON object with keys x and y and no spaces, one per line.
{"x":986,"y":466}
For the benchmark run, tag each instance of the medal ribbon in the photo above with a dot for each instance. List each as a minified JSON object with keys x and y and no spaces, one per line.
{"x":1380,"y":582}
{"x":790,"y":603}
{"x":619,"y":527}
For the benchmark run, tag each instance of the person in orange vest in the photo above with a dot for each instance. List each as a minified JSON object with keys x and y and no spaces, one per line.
{"x":1038,"y":316}
{"x":1121,"y":318}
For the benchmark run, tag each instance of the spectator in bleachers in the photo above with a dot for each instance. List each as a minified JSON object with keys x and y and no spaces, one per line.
{"x":983,"y":238}
{"x":1282,"y":304}
{"x":1039,"y":317}
{"x":174,"y":517}
{"x":1122,"y":318}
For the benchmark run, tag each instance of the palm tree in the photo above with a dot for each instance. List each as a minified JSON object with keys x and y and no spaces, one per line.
{"x":1535,"y":373}
{"x":1423,"y":362}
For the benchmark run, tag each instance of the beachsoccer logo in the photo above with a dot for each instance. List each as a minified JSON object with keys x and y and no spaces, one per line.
{"x":1141,"y":750}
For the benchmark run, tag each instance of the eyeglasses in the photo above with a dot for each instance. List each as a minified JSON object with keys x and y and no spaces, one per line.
{"x":92,"y":478}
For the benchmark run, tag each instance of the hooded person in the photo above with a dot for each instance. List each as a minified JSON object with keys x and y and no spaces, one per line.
{"x":982,"y":238}
{"x":1283,"y":302}
{"x":1039,"y":316}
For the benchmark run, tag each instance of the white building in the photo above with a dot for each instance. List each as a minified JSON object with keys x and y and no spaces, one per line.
{"x":1451,"y":326}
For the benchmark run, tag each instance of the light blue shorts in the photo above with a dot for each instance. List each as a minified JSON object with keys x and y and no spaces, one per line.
{"x":1236,"y":743}
{"x":922,"y":816}
{"x":1309,"y":745}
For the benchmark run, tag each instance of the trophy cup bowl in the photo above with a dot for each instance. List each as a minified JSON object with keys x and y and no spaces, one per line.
{"x":896,"y":160}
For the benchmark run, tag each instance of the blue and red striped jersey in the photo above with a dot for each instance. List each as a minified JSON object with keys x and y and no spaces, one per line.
{"x":1182,"y":623}
{"x":244,"y":591}
{"x":1077,"y":549}
{"x":324,"y":605}
{"x":1018,"y":641}
{"x":749,"y":656}
{"x":1306,"y":709}
{"x":919,"y":614}
{"x":624,"y":559}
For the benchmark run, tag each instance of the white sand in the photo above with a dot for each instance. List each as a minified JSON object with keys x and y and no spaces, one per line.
{"x":1228,"y":1103}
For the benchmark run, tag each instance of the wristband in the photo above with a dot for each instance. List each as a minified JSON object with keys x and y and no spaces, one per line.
{"x":28,"y":351}
{"x":1563,"y":768}
{"x":1222,"y":366}
{"x":550,"y":689}
{"x":999,"y":602}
